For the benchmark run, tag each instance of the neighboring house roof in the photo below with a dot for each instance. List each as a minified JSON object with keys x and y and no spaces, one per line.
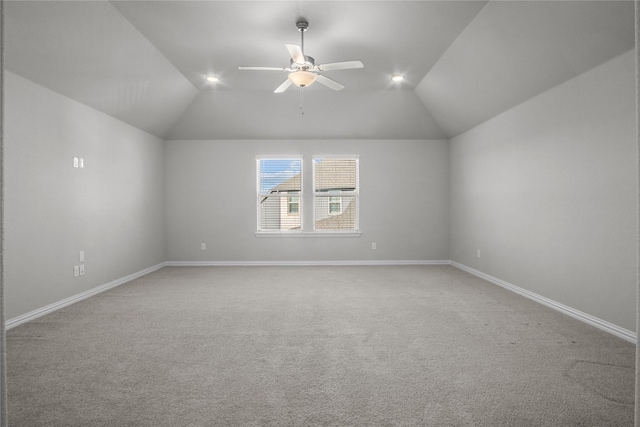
{"x":344,"y":221}
{"x":292,"y":184}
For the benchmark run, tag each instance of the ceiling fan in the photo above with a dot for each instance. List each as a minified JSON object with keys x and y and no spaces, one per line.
{"x":303,"y":70}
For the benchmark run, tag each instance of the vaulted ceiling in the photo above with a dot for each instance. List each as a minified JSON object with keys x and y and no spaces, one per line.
{"x":145,"y":62}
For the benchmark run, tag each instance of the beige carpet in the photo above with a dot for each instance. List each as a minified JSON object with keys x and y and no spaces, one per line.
{"x":315,"y":346}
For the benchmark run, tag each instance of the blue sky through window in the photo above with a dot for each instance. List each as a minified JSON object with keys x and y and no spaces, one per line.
{"x":274,"y":172}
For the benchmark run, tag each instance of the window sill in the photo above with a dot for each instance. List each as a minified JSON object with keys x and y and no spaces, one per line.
{"x":308,"y":233}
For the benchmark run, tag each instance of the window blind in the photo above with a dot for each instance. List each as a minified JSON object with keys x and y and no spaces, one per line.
{"x":336,"y":193}
{"x":279,"y":194}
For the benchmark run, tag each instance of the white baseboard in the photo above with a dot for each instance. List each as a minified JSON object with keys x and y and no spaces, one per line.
{"x":303,"y":263}
{"x":12,"y":323}
{"x":584,"y":317}
{"x":625,"y":334}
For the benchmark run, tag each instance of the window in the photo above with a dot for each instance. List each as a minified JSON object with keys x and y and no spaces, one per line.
{"x":332,"y":190}
{"x":279,"y":191}
{"x":335,"y":205}
{"x":294,"y":205}
{"x":335,"y":190}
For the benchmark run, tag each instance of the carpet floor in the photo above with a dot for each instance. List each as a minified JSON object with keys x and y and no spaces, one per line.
{"x":315,"y":346}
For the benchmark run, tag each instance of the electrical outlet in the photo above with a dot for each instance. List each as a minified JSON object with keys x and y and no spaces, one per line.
{"x":81,"y":256}
{"x":203,"y":246}
{"x":76,"y":270}
{"x":82,"y":269}
{"x":374,"y":246}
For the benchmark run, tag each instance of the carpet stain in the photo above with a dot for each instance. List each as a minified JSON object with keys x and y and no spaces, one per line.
{"x":612,"y":382}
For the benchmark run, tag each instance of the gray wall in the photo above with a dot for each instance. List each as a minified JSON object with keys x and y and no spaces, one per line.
{"x":547,"y":192}
{"x":113,"y":209}
{"x":347,"y":114}
{"x":211,"y":198}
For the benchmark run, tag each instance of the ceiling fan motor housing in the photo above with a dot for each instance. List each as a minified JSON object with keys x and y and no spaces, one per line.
{"x":309,"y":64}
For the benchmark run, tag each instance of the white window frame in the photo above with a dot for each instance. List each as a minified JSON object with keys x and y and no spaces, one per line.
{"x":355,"y":194}
{"x":286,"y":195}
{"x":307,"y":198}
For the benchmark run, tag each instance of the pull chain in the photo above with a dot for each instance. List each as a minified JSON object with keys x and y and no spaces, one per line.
{"x":301,"y":99}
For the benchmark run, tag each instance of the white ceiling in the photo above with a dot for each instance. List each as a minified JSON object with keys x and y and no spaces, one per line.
{"x":144,"y":62}
{"x":513,"y":51}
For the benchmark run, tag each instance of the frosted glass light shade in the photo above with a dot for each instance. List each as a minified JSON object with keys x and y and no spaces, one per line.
{"x":302,"y":78}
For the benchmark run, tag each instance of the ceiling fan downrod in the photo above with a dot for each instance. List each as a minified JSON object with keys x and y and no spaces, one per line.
{"x":302,"y":26}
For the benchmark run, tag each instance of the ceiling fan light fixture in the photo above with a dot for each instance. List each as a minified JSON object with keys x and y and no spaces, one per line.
{"x":303,"y":71}
{"x":302,"y":78}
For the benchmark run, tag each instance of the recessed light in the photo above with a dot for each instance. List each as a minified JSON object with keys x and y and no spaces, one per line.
{"x":212,"y":79}
{"x":397,"y":78}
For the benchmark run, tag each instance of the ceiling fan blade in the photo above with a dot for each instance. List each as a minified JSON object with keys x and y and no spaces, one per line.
{"x":345,"y":65}
{"x":283,"y":86}
{"x":262,"y":68}
{"x":296,"y":53}
{"x":329,"y":83}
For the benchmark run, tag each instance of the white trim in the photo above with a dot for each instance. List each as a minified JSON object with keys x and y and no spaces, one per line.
{"x":625,"y":334}
{"x":327,"y":233}
{"x":303,"y":263}
{"x":261,"y":195}
{"x":355,"y":194}
{"x":336,"y":156}
{"x":11,"y":323}
{"x":279,"y":157}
